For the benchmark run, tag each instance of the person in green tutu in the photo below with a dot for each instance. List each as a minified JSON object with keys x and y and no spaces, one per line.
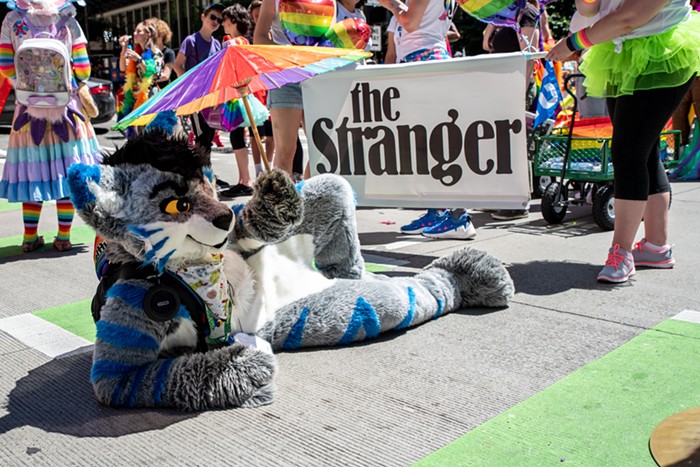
{"x":643,"y":56}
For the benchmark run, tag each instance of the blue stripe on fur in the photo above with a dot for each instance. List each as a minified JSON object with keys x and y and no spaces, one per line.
{"x":118,"y":391}
{"x":441,"y":307}
{"x":142,"y":232}
{"x":164,"y":261}
{"x":136,"y":385}
{"x":164,"y":120}
{"x":209,"y":173}
{"x":108,"y":369}
{"x":362,"y":316}
{"x":237,"y":208}
{"x":132,"y":295}
{"x":293,"y":340}
{"x":156,"y":248}
{"x":161,"y":378}
{"x":300,"y":185}
{"x":124,"y":337}
{"x":411,"y":310}
{"x":183,"y":313}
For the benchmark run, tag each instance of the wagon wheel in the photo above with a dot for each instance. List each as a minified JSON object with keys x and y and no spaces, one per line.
{"x":539,"y":185}
{"x":604,"y":207}
{"x":553,"y":204}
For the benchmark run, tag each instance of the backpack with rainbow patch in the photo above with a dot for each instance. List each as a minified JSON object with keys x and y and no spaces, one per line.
{"x":43,"y":68}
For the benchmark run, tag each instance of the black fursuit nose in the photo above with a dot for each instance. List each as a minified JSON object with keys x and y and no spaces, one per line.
{"x":224,"y":221}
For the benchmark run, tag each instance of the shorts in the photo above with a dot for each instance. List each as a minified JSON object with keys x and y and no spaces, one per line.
{"x":238,"y":138}
{"x":266,"y":128}
{"x":426,"y":55}
{"x":286,"y":97}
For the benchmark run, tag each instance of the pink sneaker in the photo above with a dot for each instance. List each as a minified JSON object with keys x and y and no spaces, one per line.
{"x":619,"y":267}
{"x":645,"y":256}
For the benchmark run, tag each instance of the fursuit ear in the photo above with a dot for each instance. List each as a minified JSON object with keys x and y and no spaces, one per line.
{"x":92,"y":192}
{"x":80,"y":179}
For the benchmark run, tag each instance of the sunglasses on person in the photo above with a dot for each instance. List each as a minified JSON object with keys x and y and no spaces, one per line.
{"x":218,"y":19}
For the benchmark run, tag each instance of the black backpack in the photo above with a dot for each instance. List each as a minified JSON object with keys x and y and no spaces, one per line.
{"x":163,"y":298}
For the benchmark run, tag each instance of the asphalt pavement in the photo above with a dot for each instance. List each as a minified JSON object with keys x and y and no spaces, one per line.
{"x":572,"y":372}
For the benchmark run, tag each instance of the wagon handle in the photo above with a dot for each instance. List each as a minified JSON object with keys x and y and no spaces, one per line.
{"x":567,"y":150}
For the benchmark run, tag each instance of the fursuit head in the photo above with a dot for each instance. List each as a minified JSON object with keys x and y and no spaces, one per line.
{"x":283,"y":269}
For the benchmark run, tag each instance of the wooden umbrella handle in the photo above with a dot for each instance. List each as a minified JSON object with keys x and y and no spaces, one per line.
{"x":245,"y":92}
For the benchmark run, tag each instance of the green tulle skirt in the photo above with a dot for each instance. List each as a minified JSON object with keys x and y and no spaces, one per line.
{"x":664,"y":60}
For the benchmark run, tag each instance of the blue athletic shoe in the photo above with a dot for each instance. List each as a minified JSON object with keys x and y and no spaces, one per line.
{"x":427,"y":220}
{"x":453,"y":226}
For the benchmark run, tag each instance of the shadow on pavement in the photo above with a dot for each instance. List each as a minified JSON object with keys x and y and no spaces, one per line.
{"x":539,"y":227}
{"x":553,"y":277}
{"x":400,"y":259}
{"x":57,"y":397}
{"x":12,"y":253}
{"x":383,"y":238}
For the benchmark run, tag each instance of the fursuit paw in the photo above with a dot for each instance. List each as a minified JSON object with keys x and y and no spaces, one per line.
{"x":278,"y":195}
{"x":274,"y":209}
{"x":236,"y":376}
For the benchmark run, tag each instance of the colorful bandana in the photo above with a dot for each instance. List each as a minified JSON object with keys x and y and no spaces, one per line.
{"x":211,"y":285}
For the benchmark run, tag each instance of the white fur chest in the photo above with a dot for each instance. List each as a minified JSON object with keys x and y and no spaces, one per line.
{"x":270,"y":279}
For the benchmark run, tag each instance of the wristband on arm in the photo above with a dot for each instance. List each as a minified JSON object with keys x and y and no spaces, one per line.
{"x":578,"y":41}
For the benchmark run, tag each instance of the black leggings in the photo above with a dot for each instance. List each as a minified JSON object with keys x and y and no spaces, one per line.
{"x":638,"y":120}
{"x":238,"y":138}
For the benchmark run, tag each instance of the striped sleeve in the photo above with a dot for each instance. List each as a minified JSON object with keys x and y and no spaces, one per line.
{"x":7,"y":49}
{"x":81,"y":63}
{"x":7,"y":61}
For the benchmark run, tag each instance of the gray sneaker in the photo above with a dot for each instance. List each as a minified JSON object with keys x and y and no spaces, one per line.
{"x":619,"y":267}
{"x":645,"y":256}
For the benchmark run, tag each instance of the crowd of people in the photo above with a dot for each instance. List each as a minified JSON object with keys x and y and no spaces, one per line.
{"x":641,"y":56}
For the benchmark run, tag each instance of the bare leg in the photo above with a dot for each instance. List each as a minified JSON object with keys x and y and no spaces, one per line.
{"x":270,"y":147}
{"x":254,"y":147}
{"x":269,"y":152}
{"x":628,"y":216}
{"x":242,"y":163}
{"x":656,"y":219}
{"x":285,"y":124}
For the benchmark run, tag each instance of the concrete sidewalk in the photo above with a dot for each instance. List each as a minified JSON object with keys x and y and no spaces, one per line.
{"x":391,"y":401}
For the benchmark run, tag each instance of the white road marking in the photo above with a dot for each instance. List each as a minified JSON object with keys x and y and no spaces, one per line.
{"x":39,"y":334}
{"x":689,"y":316}
{"x":405,"y":243}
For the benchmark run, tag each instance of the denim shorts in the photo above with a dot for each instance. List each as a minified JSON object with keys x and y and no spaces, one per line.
{"x":286,"y":97}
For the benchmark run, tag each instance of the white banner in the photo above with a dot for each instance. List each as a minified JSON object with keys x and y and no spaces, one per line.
{"x":434,"y":134}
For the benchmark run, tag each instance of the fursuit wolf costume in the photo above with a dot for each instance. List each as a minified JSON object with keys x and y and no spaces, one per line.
{"x":292,"y":274}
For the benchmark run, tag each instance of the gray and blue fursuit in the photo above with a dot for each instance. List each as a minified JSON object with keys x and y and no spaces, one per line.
{"x":287,"y":268}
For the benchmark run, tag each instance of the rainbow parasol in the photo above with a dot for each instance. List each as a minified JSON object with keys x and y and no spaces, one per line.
{"x":497,"y":12}
{"x":237,"y":71}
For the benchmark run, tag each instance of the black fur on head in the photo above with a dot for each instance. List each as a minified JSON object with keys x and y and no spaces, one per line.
{"x":164,"y":152}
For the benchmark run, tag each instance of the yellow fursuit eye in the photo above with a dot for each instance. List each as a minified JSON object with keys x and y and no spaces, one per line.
{"x":176,"y":206}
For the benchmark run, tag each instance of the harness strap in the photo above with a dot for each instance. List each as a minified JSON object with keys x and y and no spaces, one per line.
{"x":135,"y":271}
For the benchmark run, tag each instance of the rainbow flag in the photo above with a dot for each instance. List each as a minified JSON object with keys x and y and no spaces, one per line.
{"x":497,"y":12}
{"x":232,"y":115}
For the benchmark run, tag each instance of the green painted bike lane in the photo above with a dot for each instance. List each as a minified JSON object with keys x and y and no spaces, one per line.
{"x":600,"y":415}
